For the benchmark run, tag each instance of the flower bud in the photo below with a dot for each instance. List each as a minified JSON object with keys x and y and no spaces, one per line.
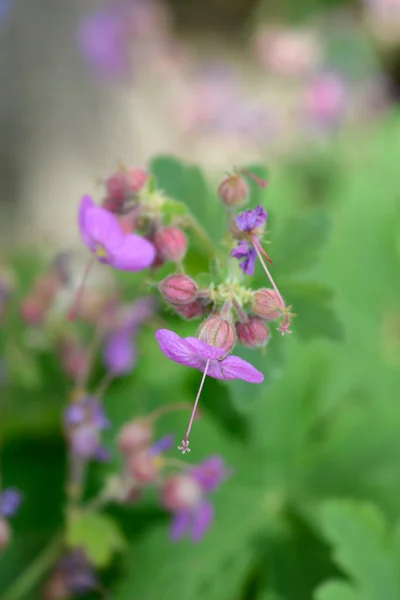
{"x":5,"y":534}
{"x":219,"y":332}
{"x":266,"y":304}
{"x":136,"y":178}
{"x":32,"y":311}
{"x":194,"y":310}
{"x":171,"y":243}
{"x":178,"y":289}
{"x":234,"y":191}
{"x":134,"y":435}
{"x":253,"y":334}
{"x":144,"y":466}
{"x":181,"y":492}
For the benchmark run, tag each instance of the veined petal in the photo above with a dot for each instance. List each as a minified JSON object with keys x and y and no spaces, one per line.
{"x":178,"y":349}
{"x":234,"y":367}
{"x":102,"y":228}
{"x":241,"y":250}
{"x":251,"y":219}
{"x":134,"y":253}
{"x":204,"y":350}
{"x":202,"y":520}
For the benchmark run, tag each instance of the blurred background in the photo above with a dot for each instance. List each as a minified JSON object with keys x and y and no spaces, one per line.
{"x":305,"y":93}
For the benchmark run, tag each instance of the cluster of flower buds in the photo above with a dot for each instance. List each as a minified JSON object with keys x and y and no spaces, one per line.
{"x":10,"y":501}
{"x":42,"y":297}
{"x":182,"y":294}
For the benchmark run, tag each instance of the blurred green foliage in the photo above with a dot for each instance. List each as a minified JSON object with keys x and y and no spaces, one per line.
{"x":312,"y":510}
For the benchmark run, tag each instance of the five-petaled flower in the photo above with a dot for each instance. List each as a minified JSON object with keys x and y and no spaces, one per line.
{"x":103,"y":235}
{"x":212,"y":361}
{"x":186,"y":495}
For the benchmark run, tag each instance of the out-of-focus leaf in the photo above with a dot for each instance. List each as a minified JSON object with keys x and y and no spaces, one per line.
{"x":363,"y":547}
{"x":98,"y":534}
{"x":338,"y":590}
{"x":315,"y":316}
{"x":174,"y":209}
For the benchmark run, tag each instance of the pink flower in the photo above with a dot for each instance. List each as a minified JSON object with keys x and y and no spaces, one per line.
{"x":103,"y":235}
{"x":212,"y":361}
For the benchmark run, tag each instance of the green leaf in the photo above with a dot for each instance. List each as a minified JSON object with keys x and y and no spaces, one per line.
{"x":98,"y":534}
{"x":363,"y":547}
{"x":338,"y":590}
{"x":174,"y":209}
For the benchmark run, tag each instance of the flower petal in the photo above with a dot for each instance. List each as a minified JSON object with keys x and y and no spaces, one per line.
{"x":180,"y":524}
{"x":204,"y":350}
{"x":134,"y":253}
{"x":251,"y":219}
{"x":234,"y":367}
{"x":10,"y":501}
{"x":85,"y":205}
{"x":120,"y":353}
{"x":241,"y":250}
{"x":102,"y":227}
{"x":249,"y":263}
{"x":203,"y":518}
{"x":178,"y":349}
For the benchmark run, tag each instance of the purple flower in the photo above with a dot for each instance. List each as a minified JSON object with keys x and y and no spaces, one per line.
{"x":248,"y":220}
{"x":191,"y":352}
{"x":186,"y":496}
{"x":77,"y":573}
{"x":10,"y":501}
{"x":120,"y":353}
{"x":102,"y":39}
{"x":162,"y":445}
{"x":84,"y":423}
{"x":246,"y":252}
{"x":103,"y":235}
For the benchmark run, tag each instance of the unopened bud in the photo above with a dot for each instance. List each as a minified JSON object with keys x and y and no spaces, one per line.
{"x":253,"y":334}
{"x":5,"y":534}
{"x":194,"y":310}
{"x":171,"y":243}
{"x":136,"y":178}
{"x":134,"y":435}
{"x":234,"y":190}
{"x":178,"y":289}
{"x":181,"y":492}
{"x":267,"y":304}
{"x":144,"y":467}
{"x":219,"y":332}
{"x":122,"y":185}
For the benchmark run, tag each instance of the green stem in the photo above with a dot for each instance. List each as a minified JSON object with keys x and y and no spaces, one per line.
{"x":198,"y":229}
{"x":34,"y":572}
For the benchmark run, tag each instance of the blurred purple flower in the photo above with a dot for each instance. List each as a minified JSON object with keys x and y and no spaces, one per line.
{"x":186,"y":496}
{"x":103,"y":41}
{"x":191,"y":352}
{"x":10,"y":501}
{"x":77,"y":573}
{"x":84,"y":423}
{"x":103,"y":235}
{"x":162,"y":445}
{"x":245,"y":251}
{"x":325,"y":100}
{"x":120,"y":353}
{"x":249,"y":220}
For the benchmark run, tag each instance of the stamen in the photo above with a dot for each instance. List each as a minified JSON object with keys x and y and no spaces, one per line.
{"x":285,"y":324}
{"x":185,"y":443}
{"x":79,"y":294}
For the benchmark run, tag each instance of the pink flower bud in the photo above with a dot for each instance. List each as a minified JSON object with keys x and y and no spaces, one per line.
{"x":122,"y":185}
{"x":5,"y":534}
{"x":136,"y":178}
{"x":178,"y":289}
{"x":171,"y":243}
{"x":266,"y":304}
{"x":194,"y":310}
{"x":116,"y":187}
{"x":180,"y":492}
{"x":234,"y":191}
{"x":144,"y":467}
{"x":219,"y":332}
{"x":253,"y":334}
{"x":32,"y":311}
{"x":134,"y":435}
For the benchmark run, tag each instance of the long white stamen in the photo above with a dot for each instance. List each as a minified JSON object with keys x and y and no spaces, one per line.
{"x":185,"y":443}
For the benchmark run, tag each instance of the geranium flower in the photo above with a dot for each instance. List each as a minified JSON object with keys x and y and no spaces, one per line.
{"x":212,"y":361}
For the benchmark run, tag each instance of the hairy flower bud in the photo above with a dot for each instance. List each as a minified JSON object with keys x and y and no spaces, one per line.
{"x":194,"y":310}
{"x":144,"y":466}
{"x":218,"y":331}
{"x":234,"y":190}
{"x":266,"y":304}
{"x":253,"y":334}
{"x":178,"y":289}
{"x":171,"y":243}
{"x":180,"y":492}
{"x":122,"y":185}
{"x":5,"y":534}
{"x":134,"y":435}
